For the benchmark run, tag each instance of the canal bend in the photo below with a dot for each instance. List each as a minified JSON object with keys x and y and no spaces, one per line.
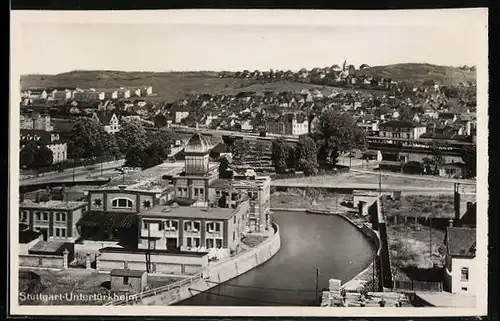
{"x":308,"y":242}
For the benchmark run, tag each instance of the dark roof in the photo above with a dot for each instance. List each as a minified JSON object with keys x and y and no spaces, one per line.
{"x":197,"y":143}
{"x":104,"y":116}
{"x":461,"y":241}
{"x":446,"y":115}
{"x":127,"y":272}
{"x":28,"y":236}
{"x":108,"y":219}
{"x":399,"y":123}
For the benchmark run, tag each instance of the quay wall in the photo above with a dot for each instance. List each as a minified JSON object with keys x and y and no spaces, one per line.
{"x":211,"y":277}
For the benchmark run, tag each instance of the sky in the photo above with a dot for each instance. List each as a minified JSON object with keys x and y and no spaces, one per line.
{"x":244,"y":40}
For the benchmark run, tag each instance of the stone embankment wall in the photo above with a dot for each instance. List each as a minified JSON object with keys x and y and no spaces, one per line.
{"x":211,"y":277}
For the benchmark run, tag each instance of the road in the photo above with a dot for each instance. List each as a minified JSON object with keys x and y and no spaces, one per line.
{"x":419,"y":177}
{"x":363,"y":186}
{"x":80,"y":173}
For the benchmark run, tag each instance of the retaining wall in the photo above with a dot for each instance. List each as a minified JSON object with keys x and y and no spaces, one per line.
{"x":45,"y":261}
{"x":215,"y":274}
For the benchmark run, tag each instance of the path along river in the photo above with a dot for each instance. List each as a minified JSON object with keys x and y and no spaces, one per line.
{"x":308,"y":241}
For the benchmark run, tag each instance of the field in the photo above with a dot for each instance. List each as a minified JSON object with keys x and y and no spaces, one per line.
{"x":78,"y":282}
{"x":421,"y":72}
{"x":420,"y":206}
{"x":168,"y":86}
{"x":175,"y":85}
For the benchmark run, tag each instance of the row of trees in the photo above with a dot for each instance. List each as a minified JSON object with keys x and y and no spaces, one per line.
{"x":88,"y":140}
{"x":337,"y":134}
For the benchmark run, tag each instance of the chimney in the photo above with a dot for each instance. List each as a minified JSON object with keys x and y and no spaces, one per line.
{"x":64,"y":194}
{"x":37,"y":199}
{"x":125,"y":265}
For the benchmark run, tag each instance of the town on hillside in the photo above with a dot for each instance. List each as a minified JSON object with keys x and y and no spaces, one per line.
{"x":355,"y":189}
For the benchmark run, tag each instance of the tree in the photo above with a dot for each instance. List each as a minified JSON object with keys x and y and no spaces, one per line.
{"x":306,"y":156}
{"x":86,"y":138}
{"x":161,"y":142}
{"x":160,"y":121}
{"x":43,"y":157}
{"x":109,"y":147}
{"x":131,"y":135}
{"x":224,"y":168}
{"x":469,"y":155}
{"x":429,"y":83}
{"x":27,"y":154}
{"x":338,"y":134}
{"x":136,"y":157}
{"x":240,"y":150}
{"x":260,"y":150}
{"x":363,"y":66}
{"x":279,"y":155}
{"x":413,"y":167}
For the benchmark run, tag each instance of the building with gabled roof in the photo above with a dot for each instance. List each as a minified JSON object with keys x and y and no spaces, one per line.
{"x":460,"y":266}
{"x":108,"y":120}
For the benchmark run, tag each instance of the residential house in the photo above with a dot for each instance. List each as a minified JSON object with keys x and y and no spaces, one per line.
{"x":179,"y":113}
{"x":36,"y":122}
{"x":51,"y":140}
{"x":54,"y":219}
{"x":110,"y":93}
{"x":88,"y":95}
{"x":288,"y":124}
{"x":37,"y":93}
{"x":369,"y":127}
{"x":447,"y":118}
{"x":401,"y":129}
{"x":124,"y":93}
{"x":61,"y":94}
{"x":109,"y":120}
{"x":460,"y":262}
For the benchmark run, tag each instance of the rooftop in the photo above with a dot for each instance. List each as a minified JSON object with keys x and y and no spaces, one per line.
{"x":108,"y":219}
{"x":461,"y":241}
{"x":189,"y":212}
{"x":50,"y":246}
{"x":53,"y":204}
{"x":127,"y":272}
{"x":28,"y":236}
{"x":225,"y":183}
{"x":400,"y":124}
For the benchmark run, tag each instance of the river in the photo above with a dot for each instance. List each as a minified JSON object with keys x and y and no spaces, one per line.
{"x":308,"y":242}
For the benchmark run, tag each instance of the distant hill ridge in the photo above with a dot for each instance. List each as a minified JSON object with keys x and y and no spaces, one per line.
{"x":173,"y":85}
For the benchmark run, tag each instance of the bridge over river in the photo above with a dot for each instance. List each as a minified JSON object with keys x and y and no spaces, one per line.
{"x":308,"y":242}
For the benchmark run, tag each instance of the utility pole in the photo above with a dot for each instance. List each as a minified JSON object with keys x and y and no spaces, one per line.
{"x":101,"y":168}
{"x":148,"y":254}
{"x":373,"y":273}
{"x":73,"y":170}
{"x":317,"y":284}
{"x":430,"y":237}
{"x":379,"y":180}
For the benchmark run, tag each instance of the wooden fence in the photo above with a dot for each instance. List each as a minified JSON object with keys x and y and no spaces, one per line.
{"x":418,"y":286}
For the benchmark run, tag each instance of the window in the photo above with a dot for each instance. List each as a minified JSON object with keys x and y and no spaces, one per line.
{"x":63,"y":232}
{"x":189,"y":242}
{"x":464,"y":275}
{"x":464,"y":289}
{"x":23,"y":216}
{"x":196,"y":242}
{"x":38,"y":216}
{"x":210,"y":243}
{"x":195,"y":192}
{"x":218,"y":243}
{"x":145,"y":225}
{"x":122,"y":203}
{"x":45,"y":216}
{"x":125,"y":280}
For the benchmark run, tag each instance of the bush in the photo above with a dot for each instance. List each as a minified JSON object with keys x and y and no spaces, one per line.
{"x":413,"y":167}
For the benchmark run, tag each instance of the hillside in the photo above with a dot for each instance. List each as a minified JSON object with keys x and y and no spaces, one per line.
{"x":169,"y":85}
{"x":421,"y":72}
{"x":175,"y":85}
